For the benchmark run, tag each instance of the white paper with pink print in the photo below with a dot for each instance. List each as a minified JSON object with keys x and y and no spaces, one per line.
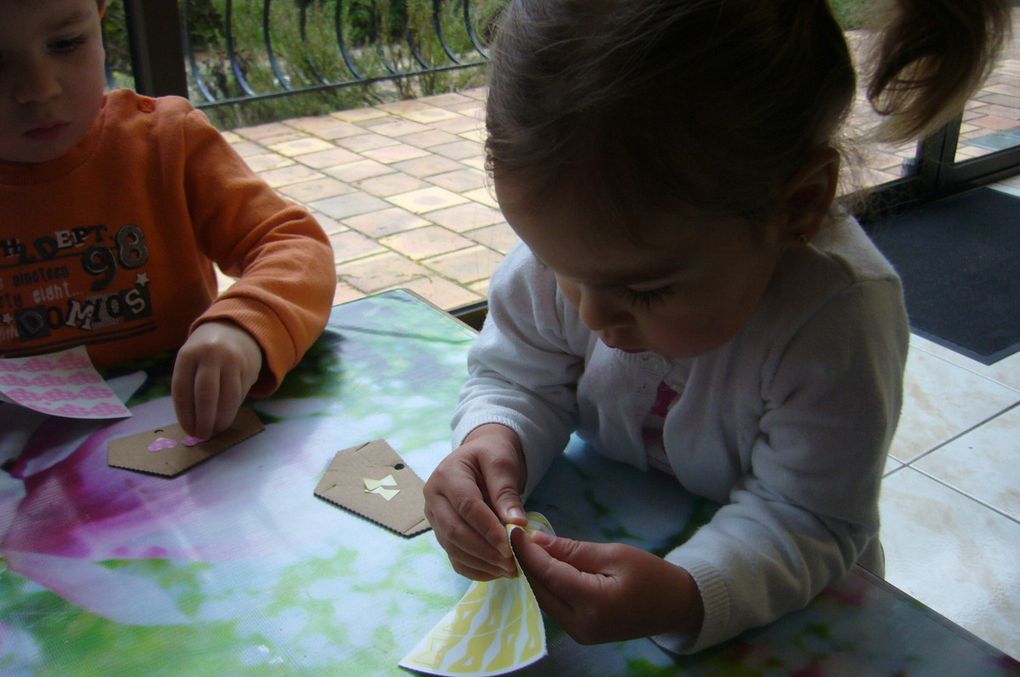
{"x":59,"y":384}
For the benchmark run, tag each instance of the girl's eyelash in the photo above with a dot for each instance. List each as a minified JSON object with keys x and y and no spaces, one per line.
{"x":648,"y":297}
{"x":68,"y":44}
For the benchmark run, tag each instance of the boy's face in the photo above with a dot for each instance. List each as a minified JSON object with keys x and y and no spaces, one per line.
{"x":51,"y":77}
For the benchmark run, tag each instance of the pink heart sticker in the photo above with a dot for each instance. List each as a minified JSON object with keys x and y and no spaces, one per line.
{"x":162,"y":443}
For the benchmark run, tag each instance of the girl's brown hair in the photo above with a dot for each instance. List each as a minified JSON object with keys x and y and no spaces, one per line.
{"x":710,"y":103}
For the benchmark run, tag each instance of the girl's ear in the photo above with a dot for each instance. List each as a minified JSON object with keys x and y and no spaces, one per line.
{"x":809,"y":194}
{"x":102,"y":9}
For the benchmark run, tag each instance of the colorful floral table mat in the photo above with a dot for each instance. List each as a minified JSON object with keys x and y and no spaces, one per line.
{"x":236,"y":568}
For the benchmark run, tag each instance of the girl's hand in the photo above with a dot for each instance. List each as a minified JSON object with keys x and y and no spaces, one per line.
{"x":603,"y":592}
{"x":215,"y":369}
{"x":468,"y":498}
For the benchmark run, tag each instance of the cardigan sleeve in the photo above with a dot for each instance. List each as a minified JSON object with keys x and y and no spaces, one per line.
{"x":807,"y":508}
{"x":522,"y":372}
{"x":279,"y":254}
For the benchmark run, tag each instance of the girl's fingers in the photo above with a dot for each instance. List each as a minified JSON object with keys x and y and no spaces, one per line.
{"x":464,"y":542}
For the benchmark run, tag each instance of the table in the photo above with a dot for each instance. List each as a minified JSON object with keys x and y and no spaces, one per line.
{"x":236,"y":568}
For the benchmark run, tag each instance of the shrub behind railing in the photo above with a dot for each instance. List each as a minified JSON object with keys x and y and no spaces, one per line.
{"x":259,"y":59}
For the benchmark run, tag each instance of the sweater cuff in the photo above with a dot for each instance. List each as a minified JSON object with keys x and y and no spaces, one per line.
{"x":716,"y":600}
{"x":278,"y":351}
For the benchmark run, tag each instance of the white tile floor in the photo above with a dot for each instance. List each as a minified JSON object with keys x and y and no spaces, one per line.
{"x":951,"y":498}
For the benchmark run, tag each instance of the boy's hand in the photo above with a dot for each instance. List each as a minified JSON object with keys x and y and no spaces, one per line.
{"x":468,"y":498}
{"x":215,"y":369}
{"x":603,"y":592}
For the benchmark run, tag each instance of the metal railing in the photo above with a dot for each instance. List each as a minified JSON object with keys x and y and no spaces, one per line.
{"x":223,"y":52}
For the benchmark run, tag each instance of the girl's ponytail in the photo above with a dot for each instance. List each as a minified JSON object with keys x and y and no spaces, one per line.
{"x":930,"y":58}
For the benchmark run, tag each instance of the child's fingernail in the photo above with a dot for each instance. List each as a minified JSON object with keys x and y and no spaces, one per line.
{"x":541,"y":538}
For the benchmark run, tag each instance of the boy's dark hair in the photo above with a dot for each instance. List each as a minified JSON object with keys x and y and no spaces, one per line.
{"x":710,"y":103}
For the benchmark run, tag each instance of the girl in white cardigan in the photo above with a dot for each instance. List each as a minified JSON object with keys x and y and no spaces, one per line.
{"x":688,"y":300}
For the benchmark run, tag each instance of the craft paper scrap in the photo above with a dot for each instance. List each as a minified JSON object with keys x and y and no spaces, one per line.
{"x":59,"y":384}
{"x":170,"y":451}
{"x":495,"y":628}
{"x":373,"y":481}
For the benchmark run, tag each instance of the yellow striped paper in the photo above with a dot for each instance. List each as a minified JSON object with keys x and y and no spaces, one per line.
{"x":495,"y":628}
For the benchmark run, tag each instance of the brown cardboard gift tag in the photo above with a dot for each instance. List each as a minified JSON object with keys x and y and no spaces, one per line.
{"x":169,"y":451}
{"x":373,"y":481}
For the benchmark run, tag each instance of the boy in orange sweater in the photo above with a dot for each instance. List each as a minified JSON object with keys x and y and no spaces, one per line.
{"x":113,"y":208}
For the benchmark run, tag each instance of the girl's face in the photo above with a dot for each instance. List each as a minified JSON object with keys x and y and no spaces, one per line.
{"x":687,"y":289}
{"x":51,"y":77}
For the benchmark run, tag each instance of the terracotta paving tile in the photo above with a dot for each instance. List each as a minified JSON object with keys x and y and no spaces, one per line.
{"x":479,"y":93}
{"x":403,"y":106}
{"x":325,"y":126}
{"x":345,"y":292}
{"x":385,"y":222}
{"x":329,"y":224}
{"x":264,"y":161}
{"x":477,"y":135}
{"x":351,"y":204}
{"x":484,"y":195}
{"x":1009,"y":88}
{"x":330,"y":157}
{"x":458,"y":149}
{"x":287,"y":175}
{"x":365,"y":141}
{"x":1002,"y":100}
{"x":300,"y":146}
{"x":355,"y":171}
{"x":994,"y":122}
{"x":427,"y":166}
{"x":259,"y":132}
{"x":291,"y":135}
{"x":460,"y":180}
{"x":458,"y":125}
{"x":474,"y":110}
{"x":423,"y":242}
{"x":395,"y":153}
{"x":426,"y":199}
{"x":429,"y":115}
{"x":500,"y":237}
{"x":466,"y":265}
{"x":433,"y":137}
{"x":390,"y":184}
{"x":351,"y":244}
{"x":357,"y":115}
{"x":446,"y":100}
{"x":442,"y":293}
{"x":469,"y":216}
{"x":316,"y":189}
{"x":475,"y":162}
{"x":1001,"y":111}
{"x":481,"y":287}
{"x":247,"y":148}
{"x":380,"y":271}
{"x":397,"y":128}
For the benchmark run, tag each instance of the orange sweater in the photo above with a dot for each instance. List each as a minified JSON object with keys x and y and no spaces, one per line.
{"x":112,"y":245}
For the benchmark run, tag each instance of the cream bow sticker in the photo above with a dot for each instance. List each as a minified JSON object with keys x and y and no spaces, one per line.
{"x":495,"y":628}
{"x":386,"y":487}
